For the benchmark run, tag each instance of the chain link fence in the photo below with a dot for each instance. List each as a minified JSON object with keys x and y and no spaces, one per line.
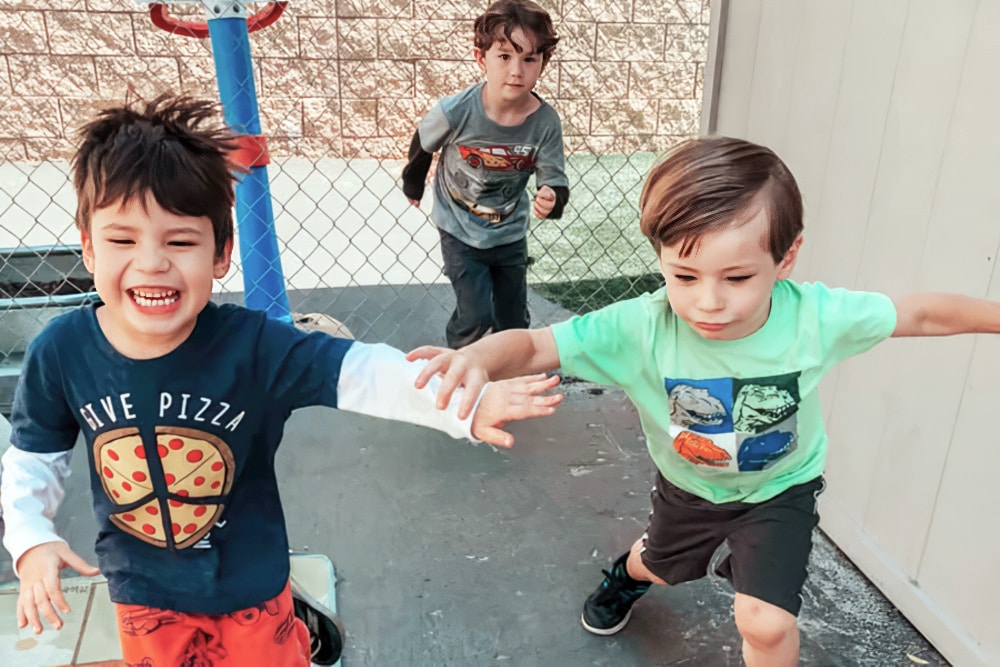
{"x":341,"y":87}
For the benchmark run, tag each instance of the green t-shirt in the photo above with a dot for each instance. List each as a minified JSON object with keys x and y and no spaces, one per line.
{"x":736,"y":420}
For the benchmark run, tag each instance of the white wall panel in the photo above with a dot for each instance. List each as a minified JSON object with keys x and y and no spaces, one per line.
{"x":902,"y":227}
{"x":961,"y":566}
{"x":871,"y":51}
{"x":774,"y":62}
{"x":741,"y":32}
{"x":836,"y":232}
{"x":885,"y":112}
{"x":951,"y":258}
{"x":812,"y":104}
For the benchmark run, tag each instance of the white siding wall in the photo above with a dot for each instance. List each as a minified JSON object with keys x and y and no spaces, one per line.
{"x":885,"y":111}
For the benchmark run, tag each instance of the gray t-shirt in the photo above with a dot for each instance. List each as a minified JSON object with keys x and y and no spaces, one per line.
{"x":480,"y":185}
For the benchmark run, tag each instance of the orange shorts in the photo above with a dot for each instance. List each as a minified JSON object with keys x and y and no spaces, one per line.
{"x":267,"y":634}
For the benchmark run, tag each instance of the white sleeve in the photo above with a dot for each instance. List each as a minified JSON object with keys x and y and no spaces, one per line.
{"x":377,"y":380}
{"x":31,"y":488}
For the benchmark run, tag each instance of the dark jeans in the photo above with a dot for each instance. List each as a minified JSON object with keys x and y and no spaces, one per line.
{"x":491,"y":288}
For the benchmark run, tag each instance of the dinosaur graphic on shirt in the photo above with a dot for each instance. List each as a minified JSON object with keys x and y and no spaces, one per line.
{"x":759,"y":451}
{"x":695,"y":406}
{"x":759,"y":406}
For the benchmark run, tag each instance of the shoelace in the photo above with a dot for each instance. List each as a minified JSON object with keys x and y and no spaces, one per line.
{"x":625,"y":591}
{"x":315,"y":641}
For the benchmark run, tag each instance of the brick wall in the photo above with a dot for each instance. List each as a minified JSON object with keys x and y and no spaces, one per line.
{"x":351,"y":78}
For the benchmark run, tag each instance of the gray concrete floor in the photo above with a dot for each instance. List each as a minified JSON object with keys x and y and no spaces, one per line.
{"x":448,"y":553}
{"x":454,"y":554}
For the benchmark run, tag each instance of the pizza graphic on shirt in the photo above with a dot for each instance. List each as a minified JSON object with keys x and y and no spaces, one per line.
{"x":197,"y":469}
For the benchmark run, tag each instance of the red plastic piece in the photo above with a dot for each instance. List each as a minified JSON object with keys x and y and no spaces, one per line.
{"x":199,"y":29}
{"x":250,"y":151}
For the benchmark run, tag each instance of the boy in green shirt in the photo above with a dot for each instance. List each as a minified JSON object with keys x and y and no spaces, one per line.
{"x":723,"y":365}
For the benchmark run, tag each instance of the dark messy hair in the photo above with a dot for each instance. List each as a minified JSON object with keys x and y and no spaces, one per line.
{"x":174,"y":148}
{"x":710,"y":183}
{"x":503,"y":17}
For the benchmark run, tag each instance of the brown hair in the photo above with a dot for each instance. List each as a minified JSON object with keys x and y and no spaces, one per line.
{"x":503,"y":17}
{"x":174,"y":148}
{"x":710,"y":183}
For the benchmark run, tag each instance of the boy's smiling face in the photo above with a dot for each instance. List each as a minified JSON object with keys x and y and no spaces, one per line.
{"x":153,"y":270}
{"x":722,"y":289}
{"x":511,"y":75}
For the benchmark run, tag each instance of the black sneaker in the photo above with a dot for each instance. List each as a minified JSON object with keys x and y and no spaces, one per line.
{"x":608,"y":608}
{"x":326,"y":633}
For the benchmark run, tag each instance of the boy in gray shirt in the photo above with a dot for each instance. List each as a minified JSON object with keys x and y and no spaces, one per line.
{"x":492,"y":136}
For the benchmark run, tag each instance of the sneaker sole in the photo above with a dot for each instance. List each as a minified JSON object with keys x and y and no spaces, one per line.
{"x":323,"y":625}
{"x":604,"y":632}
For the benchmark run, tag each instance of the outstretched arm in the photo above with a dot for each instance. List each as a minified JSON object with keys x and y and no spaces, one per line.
{"x":935,"y":314}
{"x":497,"y":356}
{"x":377,"y":380}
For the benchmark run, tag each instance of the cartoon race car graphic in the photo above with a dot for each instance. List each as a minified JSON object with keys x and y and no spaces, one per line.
{"x":498,"y":158}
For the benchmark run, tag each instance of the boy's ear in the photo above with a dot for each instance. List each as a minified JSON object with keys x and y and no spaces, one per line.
{"x":788,"y":261}
{"x":223,"y":261}
{"x":88,"y":250}
{"x":480,"y":58}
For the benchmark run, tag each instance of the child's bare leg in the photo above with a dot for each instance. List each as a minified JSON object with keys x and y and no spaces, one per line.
{"x":636,"y":568}
{"x":770,"y":633}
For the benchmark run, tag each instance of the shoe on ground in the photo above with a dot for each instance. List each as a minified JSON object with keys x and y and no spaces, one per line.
{"x":609,"y":607}
{"x":326,"y":632}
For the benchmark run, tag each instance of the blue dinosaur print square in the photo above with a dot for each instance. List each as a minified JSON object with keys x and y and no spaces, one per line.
{"x":759,"y":451}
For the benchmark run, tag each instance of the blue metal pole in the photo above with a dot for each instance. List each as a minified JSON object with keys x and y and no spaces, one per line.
{"x":263,"y":280}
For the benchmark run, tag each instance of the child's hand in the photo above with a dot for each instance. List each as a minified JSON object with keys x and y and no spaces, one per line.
{"x":414,"y":202}
{"x":545,"y":201}
{"x":38,"y":568}
{"x":456,"y":369}
{"x":513,"y":399}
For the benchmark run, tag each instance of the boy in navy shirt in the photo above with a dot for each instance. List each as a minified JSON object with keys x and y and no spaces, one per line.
{"x":182,"y":404}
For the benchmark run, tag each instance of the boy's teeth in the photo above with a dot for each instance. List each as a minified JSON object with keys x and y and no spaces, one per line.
{"x":154,"y":298}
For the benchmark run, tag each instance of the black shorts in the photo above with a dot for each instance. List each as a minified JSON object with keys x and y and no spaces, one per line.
{"x":769,"y":542}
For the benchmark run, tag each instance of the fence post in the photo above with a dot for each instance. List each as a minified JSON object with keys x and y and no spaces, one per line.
{"x":263,"y":280}
{"x":229,"y":28}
